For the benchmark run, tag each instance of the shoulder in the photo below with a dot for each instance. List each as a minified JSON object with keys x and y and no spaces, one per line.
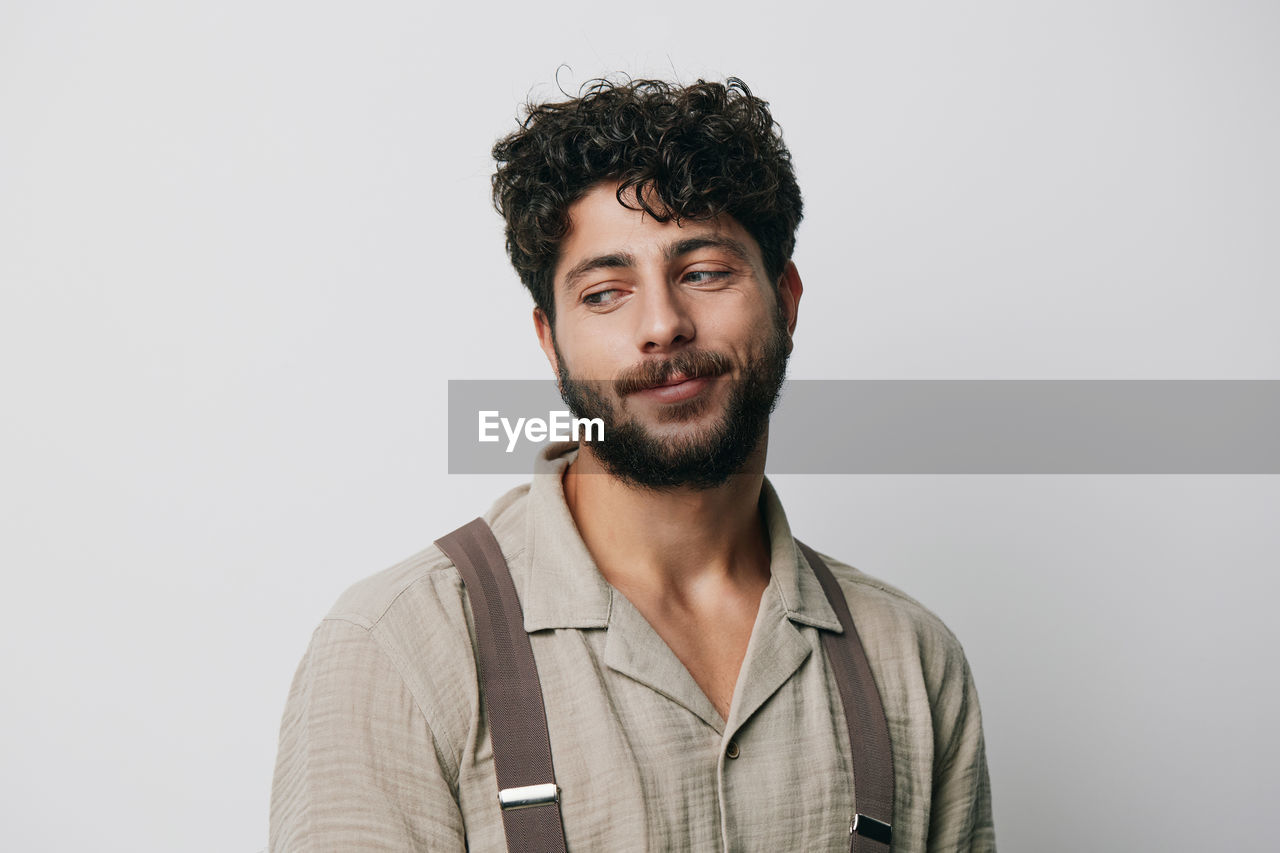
{"x":931,"y":704}
{"x":924,"y":677}
{"x":895,"y":625}
{"x":367,"y":603}
{"x":414,"y":617}
{"x":426,"y":583}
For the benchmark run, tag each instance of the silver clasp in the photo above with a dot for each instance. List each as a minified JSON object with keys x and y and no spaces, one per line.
{"x":529,"y":795}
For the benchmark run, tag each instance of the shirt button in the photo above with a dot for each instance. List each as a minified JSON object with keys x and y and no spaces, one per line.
{"x":732,"y":750}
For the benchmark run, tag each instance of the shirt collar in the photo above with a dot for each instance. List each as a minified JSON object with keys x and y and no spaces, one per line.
{"x":565,"y":590}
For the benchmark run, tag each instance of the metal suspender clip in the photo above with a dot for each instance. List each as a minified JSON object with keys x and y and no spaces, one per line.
{"x":529,"y":795}
{"x":869,"y":827}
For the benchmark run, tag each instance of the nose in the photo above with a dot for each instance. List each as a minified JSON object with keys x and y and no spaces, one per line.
{"x":665,"y":322}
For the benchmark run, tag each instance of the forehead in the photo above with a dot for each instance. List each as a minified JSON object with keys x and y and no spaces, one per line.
{"x":600,"y":225}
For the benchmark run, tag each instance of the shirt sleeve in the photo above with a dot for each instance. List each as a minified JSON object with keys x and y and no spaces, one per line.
{"x":961,"y":819}
{"x":358,"y":767}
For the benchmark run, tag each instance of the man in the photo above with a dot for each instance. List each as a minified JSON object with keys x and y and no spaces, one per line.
{"x":676,"y":625}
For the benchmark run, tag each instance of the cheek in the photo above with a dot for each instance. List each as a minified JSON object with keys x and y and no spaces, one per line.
{"x":592,"y":359}
{"x":741,"y":331}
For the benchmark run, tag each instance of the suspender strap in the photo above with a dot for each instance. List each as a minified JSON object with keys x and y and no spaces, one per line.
{"x":512,"y":695}
{"x":870,"y":830}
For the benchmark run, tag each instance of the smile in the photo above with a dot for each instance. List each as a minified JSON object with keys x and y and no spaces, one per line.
{"x":676,"y":391}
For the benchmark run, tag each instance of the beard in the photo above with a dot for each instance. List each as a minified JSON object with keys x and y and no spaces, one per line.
{"x":703,"y":457}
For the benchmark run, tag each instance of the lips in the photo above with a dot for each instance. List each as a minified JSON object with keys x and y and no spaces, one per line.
{"x":674,"y":380}
{"x":678,"y":376}
{"x":676,"y":390}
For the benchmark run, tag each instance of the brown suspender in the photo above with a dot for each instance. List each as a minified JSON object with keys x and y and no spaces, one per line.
{"x":511,"y":692}
{"x":870,"y":829}
{"x":512,"y":696}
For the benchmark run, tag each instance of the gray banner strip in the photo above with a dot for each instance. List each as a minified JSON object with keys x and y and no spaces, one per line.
{"x":946,"y":427}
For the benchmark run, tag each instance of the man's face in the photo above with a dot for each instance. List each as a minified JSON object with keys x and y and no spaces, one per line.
{"x":672,"y":335}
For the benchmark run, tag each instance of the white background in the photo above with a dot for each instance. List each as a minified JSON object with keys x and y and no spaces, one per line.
{"x":243,"y":245}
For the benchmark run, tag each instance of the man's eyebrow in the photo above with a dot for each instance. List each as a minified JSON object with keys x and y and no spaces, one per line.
{"x":612,"y":260}
{"x":693,"y":244}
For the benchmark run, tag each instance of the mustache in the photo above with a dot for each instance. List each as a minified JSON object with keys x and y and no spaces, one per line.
{"x":691,"y":364}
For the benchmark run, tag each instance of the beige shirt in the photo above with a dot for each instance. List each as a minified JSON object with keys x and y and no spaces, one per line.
{"x":384,"y":745}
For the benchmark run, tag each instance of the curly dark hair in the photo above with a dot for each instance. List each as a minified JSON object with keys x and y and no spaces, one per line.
{"x":679,"y":152}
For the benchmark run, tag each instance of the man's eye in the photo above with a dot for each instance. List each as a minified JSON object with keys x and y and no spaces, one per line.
{"x":601,"y":297}
{"x":704,"y":276}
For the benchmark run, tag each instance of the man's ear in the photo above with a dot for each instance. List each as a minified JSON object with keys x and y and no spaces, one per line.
{"x":546,"y":338}
{"x":790,"y":288}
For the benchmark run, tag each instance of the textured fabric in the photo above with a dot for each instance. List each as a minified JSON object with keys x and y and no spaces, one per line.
{"x":384,"y":745}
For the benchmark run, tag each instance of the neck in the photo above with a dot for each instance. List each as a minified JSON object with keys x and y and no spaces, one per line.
{"x":670,"y":542}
